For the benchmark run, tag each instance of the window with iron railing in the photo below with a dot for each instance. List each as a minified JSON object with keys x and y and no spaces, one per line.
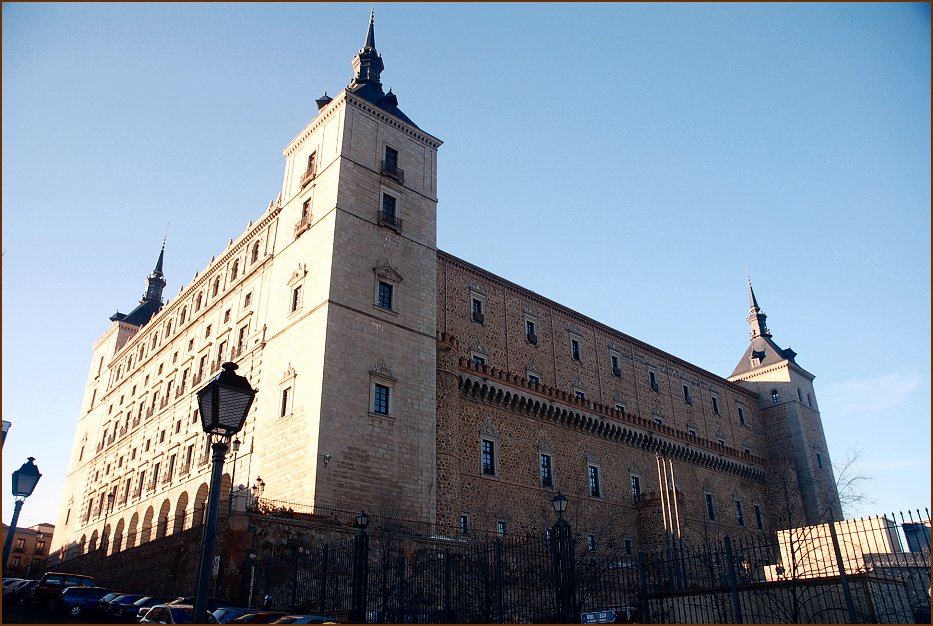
{"x":311,"y":172}
{"x":390,"y":166}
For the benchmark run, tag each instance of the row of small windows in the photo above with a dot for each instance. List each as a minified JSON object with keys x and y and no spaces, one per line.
{"x":739,"y":514}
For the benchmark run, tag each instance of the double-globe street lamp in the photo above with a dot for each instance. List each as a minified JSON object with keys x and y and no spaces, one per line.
{"x":224,"y":403}
{"x":25,"y":480}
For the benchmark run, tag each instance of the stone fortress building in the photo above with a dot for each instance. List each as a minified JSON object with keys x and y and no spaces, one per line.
{"x":395,"y":377}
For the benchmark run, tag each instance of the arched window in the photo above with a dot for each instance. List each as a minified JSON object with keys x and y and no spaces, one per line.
{"x":775,"y":396}
{"x":234,"y":270}
{"x":155,"y":339}
{"x":183,"y":316}
{"x":168,"y":328}
{"x":197,"y":303}
{"x":216,"y":287}
{"x":254,"y":256}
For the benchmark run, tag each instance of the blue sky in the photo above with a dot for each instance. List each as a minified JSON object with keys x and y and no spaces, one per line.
{"x":629,"y":161}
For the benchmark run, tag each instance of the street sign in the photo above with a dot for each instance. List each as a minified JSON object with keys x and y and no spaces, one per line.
{"x":598,"y":617}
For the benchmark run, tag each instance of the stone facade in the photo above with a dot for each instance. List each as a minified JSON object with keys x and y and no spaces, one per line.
{"x":398,"y":378}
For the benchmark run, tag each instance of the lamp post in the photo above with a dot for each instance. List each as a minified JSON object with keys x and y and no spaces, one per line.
{"x":24,"y":483}
{"x":236,"y":448}
{"x":360,"y":562}
{"x":223,"y":403}
{"x":562,"y":547}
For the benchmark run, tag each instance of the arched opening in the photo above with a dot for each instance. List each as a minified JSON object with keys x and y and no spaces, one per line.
{"x":183,"y":316}
{"x":198,"y":302}
{"x":225,"y":487}
{"x":216,"y":288}
{"x":105,"y":540}
{"x":131,"y":533}
{"x":162,"y":525}
{"x":145,"y":533}
{"x":93,"y":543}
{"x":234,"y":270}
{"x":82,"y":544}
{"x":200,"y":506}
{"x":178,"y":522}
{"x":118,"y":537}
{"x":254,"y":255}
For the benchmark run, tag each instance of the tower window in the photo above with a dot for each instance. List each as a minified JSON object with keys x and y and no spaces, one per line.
{"x":715,"y":405}
{"x":384,"y":297}
{"x":687,"y":397}
{"x":759,"y":522}
{"x":593,"y":476}
{"x":477,"y":312}
{"x":380,"y":399}
{"x":534,"y":379}
{"x":809,"y":401}
{"x":636,"y":488}
{"x":489,"y":457}
{"x":819,"y":460}
{"x":710,"y":509}
{"x":216,"y":288}
{"x":286,"y":406}
{"x":388,"y":215}
{"x":799,"y":396}
{"x":614,"y":361}
{"x":531,"y":332}
{"x":653,"y":380}
{"x":464,"y":524}
{"x":547,"y":479}
{"x":574,"y":349}
{"x":591,"y":542}
{"x":501,"y":527}
{"x":478,"y":361}
{"x":739,"y":517}
{"x":296,"y":299}
{"x":775,"y":396}
{"x":254,"y":255}
{"x":741,"y":414}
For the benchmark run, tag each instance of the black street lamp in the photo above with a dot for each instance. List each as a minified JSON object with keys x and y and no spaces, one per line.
{"x":24,"y":483}
{"x":223,"y":403}
{"x":563,"y":558}
{"x":360,"y":564}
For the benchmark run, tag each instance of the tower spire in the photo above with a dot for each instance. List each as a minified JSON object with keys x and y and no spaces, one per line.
{"x":756,"y":317}
{"x":367,"y":65}
{"x":155,"y":283}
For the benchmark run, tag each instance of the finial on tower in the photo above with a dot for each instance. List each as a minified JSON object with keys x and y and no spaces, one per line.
{"x":367,"y":66}
{"x":756,"y":317}
{"x":155,"y":283}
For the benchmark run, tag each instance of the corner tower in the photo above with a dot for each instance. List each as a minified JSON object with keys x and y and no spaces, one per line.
{"x":799,"y":458}
{"x":350,"y":354}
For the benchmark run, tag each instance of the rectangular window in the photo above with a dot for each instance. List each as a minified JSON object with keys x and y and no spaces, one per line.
{"x":221,"y":350}
{"x":715,"y":405}
{"x":501,"y":527}
{"x":616,"y":369}
{"x":531,"y":332}
{"x":296,"y":299}
{"x":819,"y":460}
{"x":591,"y":542}
{"x":241,"y":339}
{"x":627,"y":543}
{"x":477,"y":311}
{"x":687,"y":398}
{"x":575,"y":349}
{"x":478,"y":361}
{"x":759,"y":521}
{"x":464,"y":524}
{"x":155,"y":474}
{"x":710,"y":510}
{"x":534,"y":380}
{"x":595,"y":489}
{"x":653,"y":380}
{"x":738,"y":513}
{"x":286,"y":402}
{"x":391,"y":161}
{"x":389,"y":204}
{"x":579,"y":394}
{"x":189,"y":454}
{"x":809,"y":401}
{"x":489,"y":458}
{"x":547,"y":479}
{"x":380,"y":399}
{"x":741,"y":415}
{"x":636,"y":489}
{"x":226,"y":316}
{"x":248,"y":299}
{"x":384,"y":297}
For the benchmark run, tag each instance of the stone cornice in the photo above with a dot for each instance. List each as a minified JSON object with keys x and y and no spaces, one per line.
{"x":391,"y":120}
{"x":583,"y":319}
{"x":327,"y":112}
{"x":485,"y":384}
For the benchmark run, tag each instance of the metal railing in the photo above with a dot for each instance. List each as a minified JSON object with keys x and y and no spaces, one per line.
{"x":385,"y":218}
{"x":392,"y":170}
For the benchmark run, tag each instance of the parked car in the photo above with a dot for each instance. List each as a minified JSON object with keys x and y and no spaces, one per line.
{"x":212,"y":603}
{"x":80,"y":601}
{"x":142,"y":606}
{"x":169,"y":614}
{"x":305,"y":619}
{"x":258,"y":617}
{"x":227,"y":614}
{"x":9,"y":581}
{"x":52,"y":584}
{"x":101,"y":607}
{"x":21,"y":592}
{"x":114,"y":610}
